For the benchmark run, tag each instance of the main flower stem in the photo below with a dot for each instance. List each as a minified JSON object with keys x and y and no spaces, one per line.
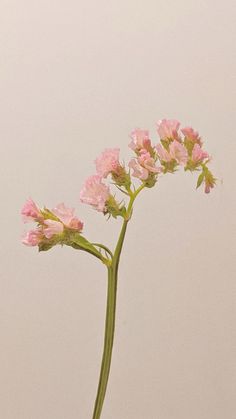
{"x":111,"y":312}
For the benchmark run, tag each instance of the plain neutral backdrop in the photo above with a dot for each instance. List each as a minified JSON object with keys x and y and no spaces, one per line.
{"x":77,"y":77}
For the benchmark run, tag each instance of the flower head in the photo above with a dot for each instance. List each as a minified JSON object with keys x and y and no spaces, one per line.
{"x":95,"y":193}
{"x":31,"y":212}
{"x":51,"y":223}
{"x":198,"y":155}
{"x":33,"y":237}
{"x":144,"y":166}
{"x":145,"y":160}
{"x":168,"y":129}
{"x":67,"y":217}
{"x":191,"y":135}
{"x":138,"y":171}
{"x":163,"y":154}
{"x":140,"y":140}
{"x":178,"y":152}
{"x":52,"y":228}
{"x":108,"y":162}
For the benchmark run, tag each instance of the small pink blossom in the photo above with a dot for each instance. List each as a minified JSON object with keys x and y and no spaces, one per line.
{"x":209,"y":179}
{"x":95,"y":193}
{"x":138,"y":171}
{"x":208,"y":186}
{"x":178,"y":152}
{"x":198,"y":155}
{"x":67,"y":217}
{"x":168,"y":129}
{"x":53,"y":227}
{"x":76,"y":224}
{"x":163,"y":153}
{"x":108,"y":162}
{"x":191,"y":135}
{"x":33,"y":237}
{"x":140,"y":140}
{"x":145,"y":160}
{"x":31,"y":212}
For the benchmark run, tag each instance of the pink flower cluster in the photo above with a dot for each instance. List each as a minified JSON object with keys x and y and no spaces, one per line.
{"x":173,"y":150}
{"x":94,"y":191}
{"x":144,"y":165}
{"x":149,"y":161}
{"x":50,"y":223}
{"x":176,"y":147}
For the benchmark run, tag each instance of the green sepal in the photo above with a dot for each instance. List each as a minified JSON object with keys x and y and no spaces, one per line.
{"x":170,"y":166}
{"x":122,"y":178}
{"x":48,"y":215}
{"x":113,"y":208}
{"x":151,"y":181}
{"x":189,"y":146}
{"x":47,"y":244}
{"x":192,"y":166}
{"x":166,"y":142}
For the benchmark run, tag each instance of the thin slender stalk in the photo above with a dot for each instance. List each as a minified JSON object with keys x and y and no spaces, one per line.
{"x":111,"y":311}
{"x":104,"y":248}
{"x":108,"y":342}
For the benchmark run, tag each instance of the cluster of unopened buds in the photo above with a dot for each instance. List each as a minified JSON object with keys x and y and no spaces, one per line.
{"x":60,"y":225}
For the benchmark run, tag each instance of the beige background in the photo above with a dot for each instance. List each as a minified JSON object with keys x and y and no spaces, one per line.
{"x":76,"y":77}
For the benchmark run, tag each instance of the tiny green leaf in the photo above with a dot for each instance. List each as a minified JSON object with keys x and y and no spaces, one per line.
{"x":200,"y":179}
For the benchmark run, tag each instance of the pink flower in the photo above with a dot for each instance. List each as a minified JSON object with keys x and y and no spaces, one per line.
{"x":198,"y":155}
{"x":31,"y":212}
{"x":108,"y":162}
{"x":145,"y":160}
{"x":163,"y":153}
{"x":76,"y":224}
{"x":178,"y":152}
{"x":140,"y":140}
{"x":95,"y":193}
{"x":168,"y":129}
{"x":67,"y":217}
{"x":33,"y":237}
{"x":138,"y":171}
{"x":53,"y":227}
{"x":191,"y":135}
{"x":208,"y":186}
{"x":209,"y":180}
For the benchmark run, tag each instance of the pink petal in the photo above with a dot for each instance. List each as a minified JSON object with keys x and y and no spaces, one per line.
{"x":178,"y":152}
{"x":168,"y":128}
{"x":108,"y":162}
{"x":33,"y":237}
{"x":31,"y":212}
{"x":95,"y":193}
{"x":53,"y":227}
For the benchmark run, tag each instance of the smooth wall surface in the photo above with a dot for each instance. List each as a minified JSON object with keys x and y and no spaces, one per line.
{"x":77,"y":77}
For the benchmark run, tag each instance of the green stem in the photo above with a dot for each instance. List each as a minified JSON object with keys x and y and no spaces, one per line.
{"x":108,"y":342}
{"x":111,"y":311}
{"x":104,"y":248}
